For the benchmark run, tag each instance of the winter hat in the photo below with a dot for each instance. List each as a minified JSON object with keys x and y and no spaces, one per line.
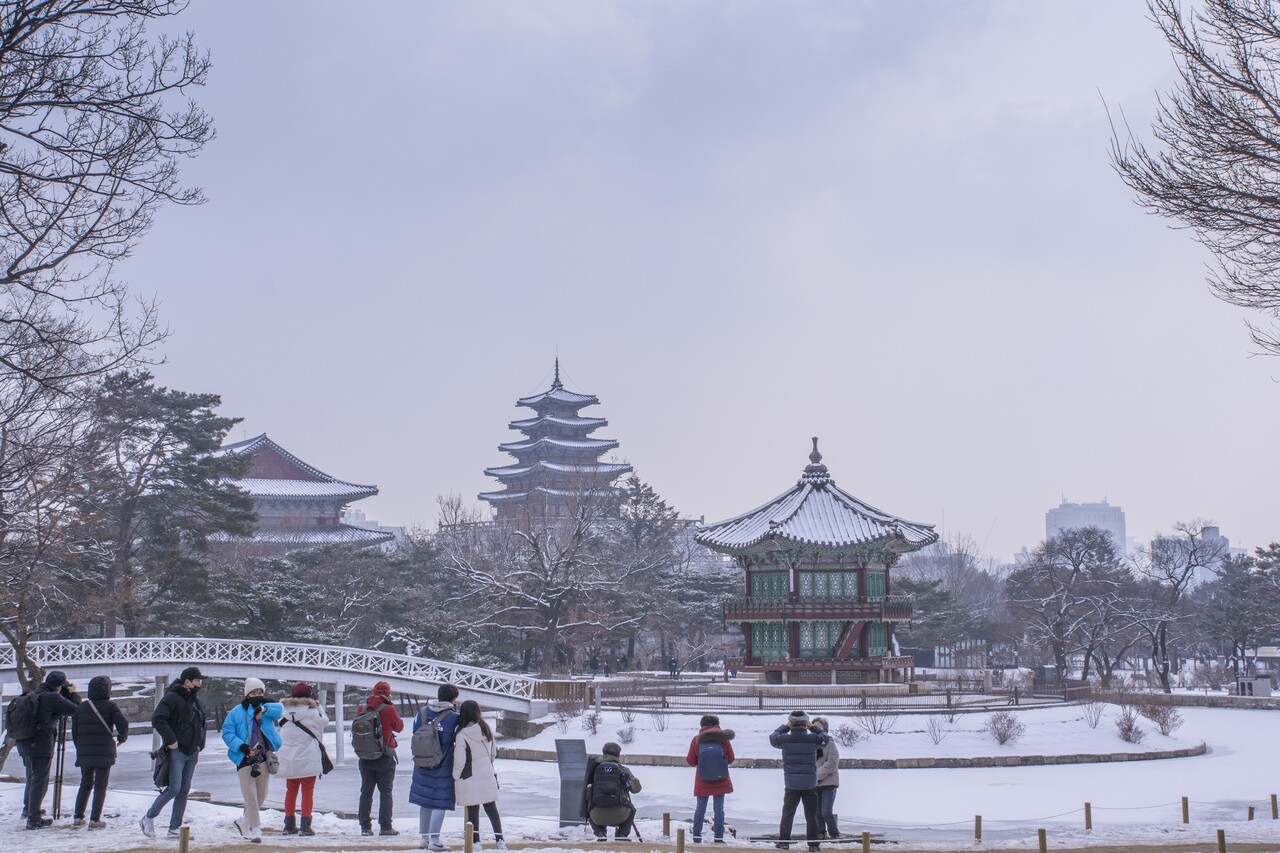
{"x":251,"y":684}
{"x":798,"y":718}
{"x":191,"y":673}
{"x":55,"y":678}
{"x":301,"y":690}
{"x":709,"y":720}
{"x":611,"y":748}
{"x":100,"y":687}
{"x":382,"y":688}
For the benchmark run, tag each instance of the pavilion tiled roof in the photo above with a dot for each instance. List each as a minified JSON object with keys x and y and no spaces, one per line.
{"x":559,"y":420}
{"x":607,"y":469}
{"x":558,"y":395}
{"x":597,"y":444}
{"x":498,"y":497}
{"x":816,"y":513}
{"x":337,"y":534}
{"x":313,"y":483}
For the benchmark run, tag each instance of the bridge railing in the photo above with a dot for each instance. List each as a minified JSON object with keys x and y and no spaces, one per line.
{"x":117,"y":650}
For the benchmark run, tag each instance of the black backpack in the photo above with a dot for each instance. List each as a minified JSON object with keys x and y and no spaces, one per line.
{"x":607,"y":785}
{"x":713,"y":765}
{"x":21,"y":716}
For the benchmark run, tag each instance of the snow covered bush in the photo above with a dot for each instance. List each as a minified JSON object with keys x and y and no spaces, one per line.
{"x":1005,"y":727}
{"x":935,"y":729}
{"x":591,"y":722}
{"x":846,"y":735}
{"x":659,"y":721}
{"x":565,"y":710}
{"x":627,"y":735}
{"x":628,"y":713}
{"x":1127,"y":726}
{"x":1093,"y":712}
{"x":1210,"y":677}
{"x":876,"y":720}
{"x":1165,"y":717}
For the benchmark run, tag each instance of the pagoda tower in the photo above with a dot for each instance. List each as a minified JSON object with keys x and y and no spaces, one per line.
{"x":557,"y":462}
{"x":817,"y":605}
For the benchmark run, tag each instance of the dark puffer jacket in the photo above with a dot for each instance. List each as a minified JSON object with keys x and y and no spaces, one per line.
{"x":180,"y":717}
{"x":799,"y":747}
{"x":710,"y":734}
{"x":433,"y":789}
{"x":52,"y":703}
{"x":96,"y":743}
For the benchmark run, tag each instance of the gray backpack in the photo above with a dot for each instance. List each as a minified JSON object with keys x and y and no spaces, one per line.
{"x":428,"y":753}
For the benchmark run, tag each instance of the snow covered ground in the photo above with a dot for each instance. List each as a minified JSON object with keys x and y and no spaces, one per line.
{"x":921,"y":809}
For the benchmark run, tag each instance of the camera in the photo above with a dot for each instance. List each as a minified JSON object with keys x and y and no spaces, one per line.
{"x":255,"y":768}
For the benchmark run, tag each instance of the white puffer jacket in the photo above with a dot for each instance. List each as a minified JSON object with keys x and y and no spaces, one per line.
{"x":299,"y":753}
{"x":481,"y":784}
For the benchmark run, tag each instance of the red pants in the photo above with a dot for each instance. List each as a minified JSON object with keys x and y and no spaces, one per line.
{"x":291,"y":788}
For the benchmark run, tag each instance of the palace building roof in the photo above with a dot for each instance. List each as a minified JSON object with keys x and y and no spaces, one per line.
{"x":311,"y":537}
{"x":531,"y":424}
{"x":605,"y":469}
{"x":815,"y":513}
{"x":548,"y":443}
{"x":277,"y":473}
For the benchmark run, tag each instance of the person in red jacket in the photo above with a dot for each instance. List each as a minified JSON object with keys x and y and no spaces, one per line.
{"x":380,"y":772}
{"x":711,"y":752}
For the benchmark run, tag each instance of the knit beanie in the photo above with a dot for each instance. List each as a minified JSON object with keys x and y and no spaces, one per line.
{"x":191,"y":673}
{"x":798,"y":718}
{"x":611,"y":748}
{"x":382,"y":688}
{"x":301,"y":690}
{"x":55,"y":678}
{"x":251,"y":684}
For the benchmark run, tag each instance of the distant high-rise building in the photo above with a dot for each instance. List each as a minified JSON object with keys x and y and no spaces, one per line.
{"x":1069,"y":516}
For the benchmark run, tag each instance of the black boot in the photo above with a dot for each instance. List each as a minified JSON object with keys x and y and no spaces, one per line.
{"x":306,"y":826}
{"x":290,"y":825}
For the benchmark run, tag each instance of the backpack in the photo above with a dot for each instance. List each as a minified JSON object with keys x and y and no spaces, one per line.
{"x":21,"y":716}
{"x":366,"y":734}
{"x":428,"y":753}
{"x":607,"y":785}
{"x":712,"y":764}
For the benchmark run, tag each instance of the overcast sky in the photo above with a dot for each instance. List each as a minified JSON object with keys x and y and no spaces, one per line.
{"x":740,"y":224}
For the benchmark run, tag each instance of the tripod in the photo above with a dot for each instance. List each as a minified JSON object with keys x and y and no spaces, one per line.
{"x":59,"y":764}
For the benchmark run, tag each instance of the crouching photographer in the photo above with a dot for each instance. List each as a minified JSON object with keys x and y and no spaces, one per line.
{"x":252,"y":741}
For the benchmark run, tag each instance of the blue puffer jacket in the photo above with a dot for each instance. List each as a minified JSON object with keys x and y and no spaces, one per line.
{"x":799,"y":747}
{"x":238,"y":725}
{"x":433,"y":789}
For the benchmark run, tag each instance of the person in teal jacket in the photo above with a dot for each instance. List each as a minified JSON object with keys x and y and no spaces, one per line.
{"x":251,"y":737}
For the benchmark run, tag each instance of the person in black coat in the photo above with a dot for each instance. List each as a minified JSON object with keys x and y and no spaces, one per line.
{"x":180,"y":721}
{"x":55,"y":698}
{"x":97,"y":727}
{"x":800,"y":745}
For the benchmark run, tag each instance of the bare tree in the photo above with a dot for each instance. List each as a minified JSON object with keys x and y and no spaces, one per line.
{"x":1170,"y":567}
{"x":1217,"y":167}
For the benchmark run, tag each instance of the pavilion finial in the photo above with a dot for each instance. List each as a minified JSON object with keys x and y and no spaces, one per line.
{"x":555,"y":383}
{"x":815,"y":473}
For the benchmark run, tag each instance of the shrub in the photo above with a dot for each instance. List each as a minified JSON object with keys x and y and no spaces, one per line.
{"x":1127,"y":726}
{"x":1093,"y":710}
{"x":876,"y":720}
{"x":935,"y":729}
{"x":591,"y":722}
{"x":628,"y":713}
{"x":846,"y":735}
{"x":659,"y":721}
{"x":1165,"y":717}
{"x":627,"y":735}
{"x":1005,"y":727}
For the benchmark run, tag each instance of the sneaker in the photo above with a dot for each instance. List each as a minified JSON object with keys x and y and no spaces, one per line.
{"x":242,"y":826}
{"x":437,"y":847}
{"x":97,"y":824}
{"x":255,"y":835}
{"x":37,"y":824}
{"x":364,"y":830}
{"x":500,"y":844}
{"x":782,"y":845}
{"x":388,"y":830}
{"x":175,"y":833}
{"x":148,"y":825}
{"x":79,"y":821}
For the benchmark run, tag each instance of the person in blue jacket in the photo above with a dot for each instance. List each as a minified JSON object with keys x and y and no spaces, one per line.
{"x":432,"y":789}
{"x":250,"y":735}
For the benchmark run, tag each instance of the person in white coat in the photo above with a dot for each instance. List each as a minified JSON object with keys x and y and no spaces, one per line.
{"x":475,"y":780}
{"x":301,"y":730}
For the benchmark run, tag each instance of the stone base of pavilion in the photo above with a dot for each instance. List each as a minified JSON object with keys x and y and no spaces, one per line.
{"x":740,"y":688}
{"x":896,"y":671}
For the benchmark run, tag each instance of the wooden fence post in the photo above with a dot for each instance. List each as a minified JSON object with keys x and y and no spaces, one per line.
{"x":467,"y":832}
{"x":1250,"y":812}
{"x":666,"y":826}
{"x":866,"y":842}
{"x":1186,"y":811}
{"x":680,"y":840}
{"x":1222,"y":841}
{"x":1275,"y":812}
{"x":1044,"y":842}
{"x":184,"y":839}
{"x":977,"y":827}
{"x":1088,"y":815}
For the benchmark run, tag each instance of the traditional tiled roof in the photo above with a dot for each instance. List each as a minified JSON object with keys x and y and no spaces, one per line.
{"x":529,"y":424}
{"x":597,"y":444}
{"x":816,"y":513}
{"x":558,"y":395}
{"x":336,"y":534}
{"x":299,"y":479}
{"x":498,"y":497}
{"x":610,"y":469}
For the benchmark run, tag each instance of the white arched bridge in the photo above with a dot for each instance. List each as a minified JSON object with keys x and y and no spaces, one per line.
{"x":163,"y":658}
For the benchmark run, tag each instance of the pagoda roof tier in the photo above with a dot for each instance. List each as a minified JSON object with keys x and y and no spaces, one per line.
{"x":611,"y":470}
{"x":558,"y":395}
{"x":597,"y":444}
{"x":275,"y":472}
{"x":572,"y":422}
{"x":498,"y":497}
{"x":815,"y":513}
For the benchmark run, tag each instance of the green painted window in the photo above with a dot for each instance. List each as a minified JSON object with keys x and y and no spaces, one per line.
{"x":768,"y":640}
{"x":875,"y":584}
{"x":877,"y":639}
{"x":828,"y":586}
{"x":818,"y":639}
{"x":769,"y":585}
